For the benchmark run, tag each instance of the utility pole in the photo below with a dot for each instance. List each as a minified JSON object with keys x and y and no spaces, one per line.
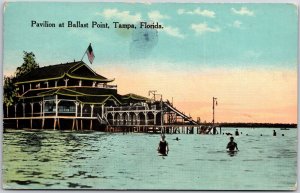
{"x":161,"y":108}
{"x":152,"y":92}
{"x":214,"y":102}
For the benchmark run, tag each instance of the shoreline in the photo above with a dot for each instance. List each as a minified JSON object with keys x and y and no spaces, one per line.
{"x":259,"y":125}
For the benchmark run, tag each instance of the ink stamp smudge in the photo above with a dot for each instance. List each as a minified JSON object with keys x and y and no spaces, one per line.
{"x":143,"y":42}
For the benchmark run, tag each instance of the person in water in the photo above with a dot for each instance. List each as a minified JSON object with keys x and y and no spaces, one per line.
{"x":231,"y":146}
{"x":163,"y":147}
{"x":237,"y":132}
{"x":177,"y":139}
{"x":274,"y":133}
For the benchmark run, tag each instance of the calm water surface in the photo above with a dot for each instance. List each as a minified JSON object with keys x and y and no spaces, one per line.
{"x":95,"y":160}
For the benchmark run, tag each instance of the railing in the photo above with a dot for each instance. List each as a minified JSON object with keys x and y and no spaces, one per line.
{"x":130,"y":108}
{"x":107,"y":86}
{"x":102,"y":121}
{"x":68,"y":86}
{"x":124,"y":122}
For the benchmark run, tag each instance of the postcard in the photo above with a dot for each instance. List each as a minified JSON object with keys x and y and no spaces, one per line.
{"x":150,"y":96}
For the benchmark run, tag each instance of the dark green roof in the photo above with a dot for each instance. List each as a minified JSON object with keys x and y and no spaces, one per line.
{"x":70,"y":91}
{"x":76,"y":70}
{"x":36,"y":93}
{"x":134,"y":97}
{"x":88,"y":97}
{"x":97,"y":99}
{"x":93,"y":90}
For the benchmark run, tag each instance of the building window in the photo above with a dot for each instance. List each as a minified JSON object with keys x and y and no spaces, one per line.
{"x":49,"y":106}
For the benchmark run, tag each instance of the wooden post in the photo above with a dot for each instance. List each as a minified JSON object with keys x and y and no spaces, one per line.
{"x":66,"y":81}
{"x":214,"y":102}
{"x":58,"y":123}
{"x":73,"y":124}
{"x":54,"y":126}
{"x":16,"y":110}
{"x":92,"y":110}
{"x":102,"y":111}
{"x":76,"y":108}
{"x":81,"y":108}
{"x":161,"y":111}
{"x":41,"y":107}
{"x":43,"y":121}
{"x":76,"y":124}
{"x":47,"y":84}
{"x":91,"y":124}
{"x":128,"y":119}
{"x":23,"y":104}
{"x":31,"y":104}
{"x":81,"y":124}
{"x":56,"y":105}
{"x":136,"y":118}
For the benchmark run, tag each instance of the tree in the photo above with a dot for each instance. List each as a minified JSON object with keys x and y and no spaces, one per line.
{"x":28,"y":64}
{"x":10,"y":90}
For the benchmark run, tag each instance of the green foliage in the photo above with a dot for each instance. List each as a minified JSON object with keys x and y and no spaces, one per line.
{"x":28,"y":64}
{"x":10,"y":90}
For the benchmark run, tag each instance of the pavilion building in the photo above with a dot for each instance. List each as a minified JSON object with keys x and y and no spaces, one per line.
{"x":73,"y":96}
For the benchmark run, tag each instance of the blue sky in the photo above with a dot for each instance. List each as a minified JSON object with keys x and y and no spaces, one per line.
{"x":243,"y":54}
{"x":194,"y":35}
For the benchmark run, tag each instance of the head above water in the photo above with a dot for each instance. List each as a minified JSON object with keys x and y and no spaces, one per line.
{"x":163,"y":136}
{"x":231,"y":138}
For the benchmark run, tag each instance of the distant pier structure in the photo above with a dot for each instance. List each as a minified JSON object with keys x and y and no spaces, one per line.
{"x":72,"y":96}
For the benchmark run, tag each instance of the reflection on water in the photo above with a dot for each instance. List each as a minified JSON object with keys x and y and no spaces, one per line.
{"x":32,"y":142}
{"x":95,"y":160}
{"x":232,"y":153}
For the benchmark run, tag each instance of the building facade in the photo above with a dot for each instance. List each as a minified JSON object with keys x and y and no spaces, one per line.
{"x":73,"y":96}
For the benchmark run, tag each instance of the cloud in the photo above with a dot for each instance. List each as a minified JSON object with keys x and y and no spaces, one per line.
{"x":237,"y":24}
{"x":173,"y":31}
{"x":122,"y":16}
{"x":127,"y":16}
{"x":243,"y":11}
{"x":157,"y":16}
{"x":197,"y":11}
{"x":202,"y":28}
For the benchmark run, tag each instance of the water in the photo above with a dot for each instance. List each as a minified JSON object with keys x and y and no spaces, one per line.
{"x":94,"y":160}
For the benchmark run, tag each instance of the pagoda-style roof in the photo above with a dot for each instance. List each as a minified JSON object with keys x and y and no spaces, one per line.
{"x":97,"y":99}
{"x":69,"y":91}
{"x":77,"y":70}
{"x":134,"y":97}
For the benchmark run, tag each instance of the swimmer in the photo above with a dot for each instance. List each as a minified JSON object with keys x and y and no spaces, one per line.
{"x":232,"y":146}
{"x":163,"y":147}
{"x":177,"y":139}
